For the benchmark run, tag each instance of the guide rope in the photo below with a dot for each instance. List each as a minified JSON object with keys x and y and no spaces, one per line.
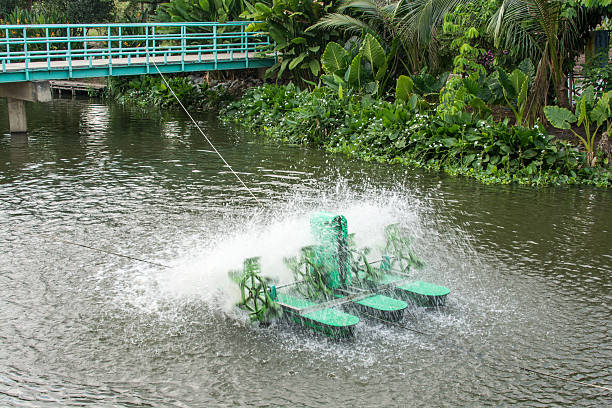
{"x":203,"y":134}
{"x":112,"y":253}
{"x":64,"y":241}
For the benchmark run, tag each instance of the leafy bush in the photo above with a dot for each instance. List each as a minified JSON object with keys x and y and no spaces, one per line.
{"x":78,"y":11}
{"x":379,"y":130}
{"x":514,"y":87}
{"x":150,"y":91}
{"x":299,"y":49}
{"x":7,"y":6}
{"x":22,"y":16}
{"x":362,"y":67}
{"x":589,"y":112}
{"x":429,"y":86}
{"x":596,"y":74}
{"x":200,"y":10}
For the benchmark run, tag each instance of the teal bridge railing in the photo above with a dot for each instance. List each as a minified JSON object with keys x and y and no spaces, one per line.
{"x":61,"y":51}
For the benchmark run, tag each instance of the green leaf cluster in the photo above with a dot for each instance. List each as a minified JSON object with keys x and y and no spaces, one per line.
{"x":362,"y":67}
{"x":374,"y":129}
{"x":589,"y":113}
{"x":298,"y":49}
{"x":147,"y":91}
{"x":515,"y":87}
{"x":220,"y":11}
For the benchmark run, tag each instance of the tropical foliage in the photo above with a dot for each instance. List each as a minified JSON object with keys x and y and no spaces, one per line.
{"x":412,"y":81}
{"x":200,"y":10}
{"x":374,"y":129}
{"x":589,"y":113}
{"x":362,"y":67}
{"x":73,"y":11}
{"x":287,"y":22}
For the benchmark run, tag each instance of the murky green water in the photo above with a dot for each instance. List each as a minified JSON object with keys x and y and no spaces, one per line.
{"x":529,"y":269}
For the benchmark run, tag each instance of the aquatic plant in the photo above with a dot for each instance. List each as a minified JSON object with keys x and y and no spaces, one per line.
{"x":372,"y":129}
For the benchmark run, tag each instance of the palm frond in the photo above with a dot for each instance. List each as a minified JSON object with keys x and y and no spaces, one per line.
{"x":421,"y":19}
{"x":341,"y":22}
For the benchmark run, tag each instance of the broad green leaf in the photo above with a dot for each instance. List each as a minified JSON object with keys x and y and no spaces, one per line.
{"x":314,"y":49}
{"x":412,"y":102}
{"x":315,"y":68}
{"x":507,"y":87}
{"x":516,"y":79}
{"x":277,"y":35}
{"x":339,"y":80}
{"x":204,"y":5}
{"x":522,"y":95}
{"x":559,"y":117}
{"x":449,"y":141}
{"x":382,"y":70}
{"x":480,"y":106}
{"x":330,"y":82}
{"x":600,"y":113}
{"x":354,"y":72}
{"x":588,"y":95}
{"x":283,"y":67}
{"x":294,"y":62}
{"x":373,"y":52}
{"x":468,"y":159}
{"x":334,"y":58}
{"x":298,"y":40}
{"x":581,"y":110}
{"x":529,"y":154}
{"x":371,"y":88}
{"x":263,"y":9}
{"x":403,"y":88}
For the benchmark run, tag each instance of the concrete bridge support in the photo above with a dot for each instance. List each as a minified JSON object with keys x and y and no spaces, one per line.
{"x":17,"y":94}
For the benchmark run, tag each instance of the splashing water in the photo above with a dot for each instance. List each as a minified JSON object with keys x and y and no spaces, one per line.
{"x":200,"y":272}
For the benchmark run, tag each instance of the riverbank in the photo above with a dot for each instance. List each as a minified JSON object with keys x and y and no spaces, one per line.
{"x":195,"y":91}
{"x":490,"y":151}
{"x":394,"y":132}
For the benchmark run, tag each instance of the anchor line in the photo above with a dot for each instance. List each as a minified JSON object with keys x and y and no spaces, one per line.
{"x":112,"y":253}
{"x":86,"y":246}
{"x":203,"y":134}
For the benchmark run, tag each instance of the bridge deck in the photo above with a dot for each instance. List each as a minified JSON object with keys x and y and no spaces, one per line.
{"x":44,"y":52}
{"x":116,"y":62}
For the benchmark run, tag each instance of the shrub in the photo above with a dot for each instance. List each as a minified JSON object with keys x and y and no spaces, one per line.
{"x":394,"y":132}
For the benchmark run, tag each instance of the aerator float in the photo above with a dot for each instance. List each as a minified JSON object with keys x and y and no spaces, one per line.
{"x":335,"y":281}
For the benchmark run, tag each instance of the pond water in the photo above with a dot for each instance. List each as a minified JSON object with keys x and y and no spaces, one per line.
{"x":529,"y":271}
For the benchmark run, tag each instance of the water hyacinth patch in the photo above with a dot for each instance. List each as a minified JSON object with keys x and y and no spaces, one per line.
{"x":395,"y":132}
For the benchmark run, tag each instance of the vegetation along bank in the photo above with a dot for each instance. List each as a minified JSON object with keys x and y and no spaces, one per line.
{"x":400,"y":132}
{"x":499,"y":90}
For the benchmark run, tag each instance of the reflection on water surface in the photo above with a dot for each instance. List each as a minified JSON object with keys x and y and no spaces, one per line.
{"x":529,"y":269}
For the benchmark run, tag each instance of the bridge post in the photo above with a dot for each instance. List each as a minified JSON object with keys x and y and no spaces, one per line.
{"x":18,"y":122}
{"x":16,"y":94}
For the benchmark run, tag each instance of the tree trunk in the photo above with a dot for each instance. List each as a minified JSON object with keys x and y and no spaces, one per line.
{"x":563,"y":92}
